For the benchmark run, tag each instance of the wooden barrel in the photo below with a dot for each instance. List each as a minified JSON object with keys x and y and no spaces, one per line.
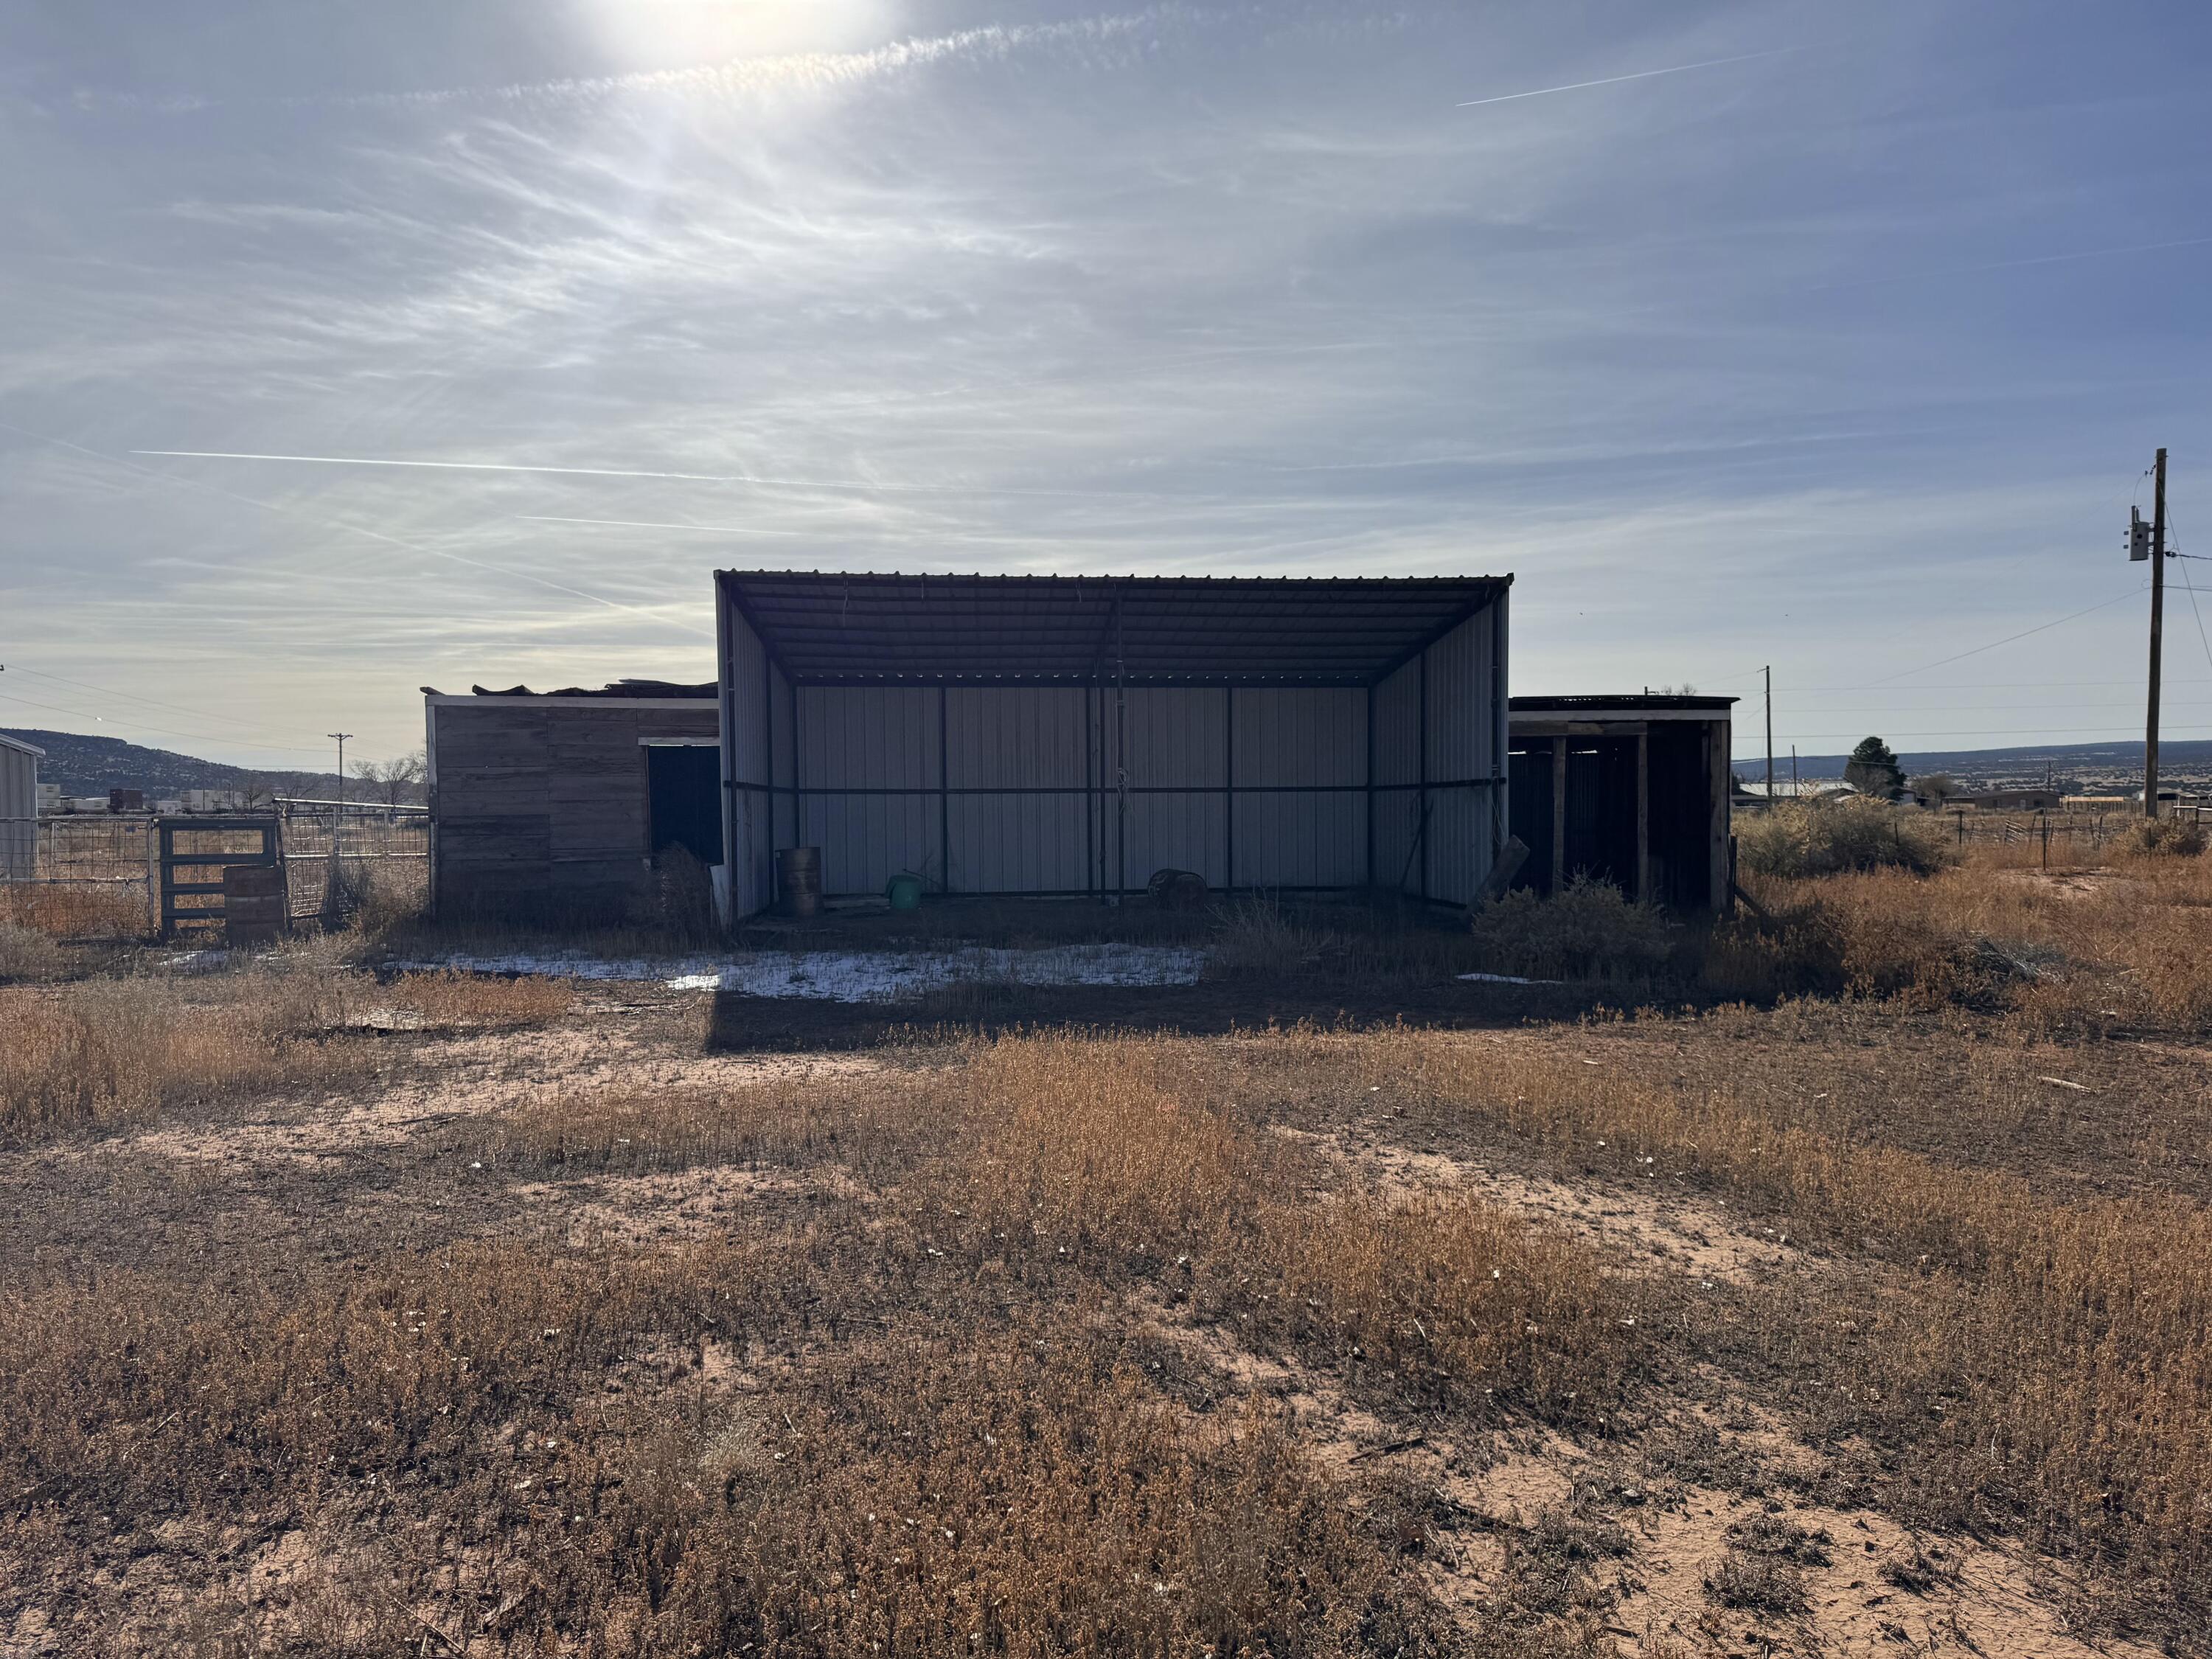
{"x":799,"y":878}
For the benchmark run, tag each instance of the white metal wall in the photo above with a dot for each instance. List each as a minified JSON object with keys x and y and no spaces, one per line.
{"x":1440,"y":762}
{"x":749,"y":838}
{"x":1038,"y":740}
{"x":19,"y":813}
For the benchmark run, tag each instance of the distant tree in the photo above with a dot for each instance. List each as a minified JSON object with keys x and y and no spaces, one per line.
{"x":1872,"y":769}
{"x":1934,"y":788}
{"x":397,"y":780}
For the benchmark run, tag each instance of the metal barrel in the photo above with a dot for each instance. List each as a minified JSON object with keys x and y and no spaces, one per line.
{"x":798,"y":877}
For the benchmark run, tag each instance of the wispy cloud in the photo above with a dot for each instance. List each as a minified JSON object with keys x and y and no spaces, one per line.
{"x":480,"y":383}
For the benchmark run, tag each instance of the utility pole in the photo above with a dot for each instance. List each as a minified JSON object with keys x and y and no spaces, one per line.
{"x":338,"y":812}
{"x":341,"y":736}
{"x":2157,"y":634}
{"x":1794,"y":785}
{"x":1769,"y":671}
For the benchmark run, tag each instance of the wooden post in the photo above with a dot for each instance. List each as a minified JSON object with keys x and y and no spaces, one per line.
{"x":1720,"y":741}
{"x":1643,"y":817}
{"x":1559,"y":814}
{"x":2157,"y":630}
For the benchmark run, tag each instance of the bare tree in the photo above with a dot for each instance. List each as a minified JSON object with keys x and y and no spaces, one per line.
{"x":399,"y":779}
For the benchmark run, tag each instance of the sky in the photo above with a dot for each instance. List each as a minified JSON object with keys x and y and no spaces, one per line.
{"x":1837,"y":338}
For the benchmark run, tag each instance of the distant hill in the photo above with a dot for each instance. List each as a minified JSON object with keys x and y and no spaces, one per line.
{"x":92,"y":766}
{"x":2027,"y":763}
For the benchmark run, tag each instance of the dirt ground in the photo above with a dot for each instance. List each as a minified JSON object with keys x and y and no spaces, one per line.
{"x":1707,"y":1510}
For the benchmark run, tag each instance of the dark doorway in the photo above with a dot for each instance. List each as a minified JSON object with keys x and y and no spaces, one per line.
{"x":682,"y":793}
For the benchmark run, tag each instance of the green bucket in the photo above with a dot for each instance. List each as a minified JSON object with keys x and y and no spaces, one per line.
{"x":903,"y":891}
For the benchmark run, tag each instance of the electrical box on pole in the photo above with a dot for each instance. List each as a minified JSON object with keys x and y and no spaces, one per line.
{"x":2138,"y":538}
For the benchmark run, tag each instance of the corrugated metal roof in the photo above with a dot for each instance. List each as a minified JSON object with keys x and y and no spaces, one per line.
{"x":7,"y":742}
{"x":831,"y":627}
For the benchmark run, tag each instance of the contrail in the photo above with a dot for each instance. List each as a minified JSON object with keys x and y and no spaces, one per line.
{"x":1616,"y":80}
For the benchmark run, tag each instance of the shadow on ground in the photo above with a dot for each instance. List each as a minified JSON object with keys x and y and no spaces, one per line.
{"x":741,"y":1024}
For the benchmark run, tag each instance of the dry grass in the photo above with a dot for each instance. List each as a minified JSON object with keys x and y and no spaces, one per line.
{"x":1026,"y":1490}
{"x":2040,"y":1353}
{"x":28,"y":954}
{"x":1106,"y":1153}
{"x":445,"y":997}
{"x":98,"y":1055}
{"x":2072,"y":952}
{"x":99,"y":910}
{"x":873,"y":1122}
{"x":983,"y":1369}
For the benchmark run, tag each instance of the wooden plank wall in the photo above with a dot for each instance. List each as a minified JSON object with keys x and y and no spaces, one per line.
{"x":539,"y":807}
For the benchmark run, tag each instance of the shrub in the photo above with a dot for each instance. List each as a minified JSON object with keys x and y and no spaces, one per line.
{"x":2162,"y":838}
{"x":1826,"y":838}
{"x":1586,"y":931}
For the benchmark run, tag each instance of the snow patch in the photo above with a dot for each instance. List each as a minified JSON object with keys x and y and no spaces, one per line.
{"x":855,"y":975}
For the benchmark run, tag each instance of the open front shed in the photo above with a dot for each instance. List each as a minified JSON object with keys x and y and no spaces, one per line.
{"x":1632,"y":790}
{"x":1071,"y":736}
{"x":547,"y":806}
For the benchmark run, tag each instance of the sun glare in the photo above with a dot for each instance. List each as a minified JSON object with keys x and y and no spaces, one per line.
{"x":661,"y":34}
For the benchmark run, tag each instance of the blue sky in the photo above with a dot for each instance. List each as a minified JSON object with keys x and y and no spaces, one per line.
{"x":1833,"y":337}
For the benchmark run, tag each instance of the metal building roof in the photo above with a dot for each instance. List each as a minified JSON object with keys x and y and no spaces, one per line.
{"x":830,"y":628}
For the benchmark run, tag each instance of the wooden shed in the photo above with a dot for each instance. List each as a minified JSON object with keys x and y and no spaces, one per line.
{"x":1632,"y":790}
{"x":554,"y":806}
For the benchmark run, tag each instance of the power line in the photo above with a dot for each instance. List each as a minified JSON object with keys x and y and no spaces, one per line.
{"x":142,"y":725}
{"x":132,"y":696}
{"x":2025,"y":738}
{"x":2024,"y":633}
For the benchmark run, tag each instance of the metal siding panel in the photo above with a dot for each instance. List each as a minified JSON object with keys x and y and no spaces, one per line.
{"x":1397,"y":761}
{"x":869,"y":738}
{"x":1177,"y":739}
{"x":1296,"y":735}
{"x":1022,"y":737}
{"x":18,"y":814}
{"x":1291,"y":736}
{"x":1461,"y":728}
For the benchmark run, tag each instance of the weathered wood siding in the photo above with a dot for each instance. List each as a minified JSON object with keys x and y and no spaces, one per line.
{"x":537,"y":805}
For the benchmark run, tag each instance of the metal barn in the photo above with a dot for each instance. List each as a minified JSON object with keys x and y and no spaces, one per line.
{"x":554,"y":805}
{"x":19,"y":808}
{"x":1048,"y":735}
{"x":1632,"y":790}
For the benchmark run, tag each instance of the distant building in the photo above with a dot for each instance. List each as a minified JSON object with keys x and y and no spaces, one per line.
{"x":50,"y":798}
{"x":19,"y":808}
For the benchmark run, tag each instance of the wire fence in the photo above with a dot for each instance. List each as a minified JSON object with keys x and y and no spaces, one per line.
{"x":92,"y":875}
